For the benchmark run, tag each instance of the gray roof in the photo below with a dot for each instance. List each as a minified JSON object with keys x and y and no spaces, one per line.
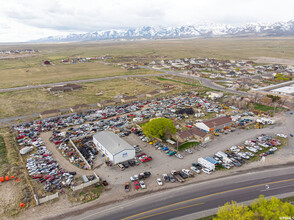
{"x":112,"y":142}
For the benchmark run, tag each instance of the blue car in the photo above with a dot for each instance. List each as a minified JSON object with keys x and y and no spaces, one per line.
{"x":291,"y":135}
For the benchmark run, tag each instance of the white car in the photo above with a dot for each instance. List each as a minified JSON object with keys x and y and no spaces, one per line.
{"x":249,"y":154}
{"x":205,"y":170}
{"x":189,"y":151}
{"x":194,"y":169}
{"x":282,"y":135}
{"x":134,"y":178}
{"x":257,"y":147}
{"x":159,"y":181}
{"x":142,"y":184}
{"x":179,"y":156}
{"x":187,"y":172}
{"x":273,"y":149}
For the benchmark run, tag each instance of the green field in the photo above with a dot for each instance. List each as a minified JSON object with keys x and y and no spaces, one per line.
{"x":3,"y":153}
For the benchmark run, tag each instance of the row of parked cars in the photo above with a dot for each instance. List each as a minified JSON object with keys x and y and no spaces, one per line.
{"x":234,"y":156}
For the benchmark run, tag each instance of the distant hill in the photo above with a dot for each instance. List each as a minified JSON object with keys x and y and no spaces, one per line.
{"x":189,"y":31}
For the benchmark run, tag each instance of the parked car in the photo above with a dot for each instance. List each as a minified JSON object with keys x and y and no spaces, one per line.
{"x":137,"y":185}
{"x":171,"y":178}
{"x":179,"y":156}
{"x":194,"y":169}
{"x":142,"y":184}
{"x":127,"y":187}
{"x":165,"y":177}
{"x":205,"y":170}
{"x":159,"y":182}
{"x":189,"y":151}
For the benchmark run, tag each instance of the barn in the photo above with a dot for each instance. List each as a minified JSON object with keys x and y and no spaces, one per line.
{"x":115,"y":148}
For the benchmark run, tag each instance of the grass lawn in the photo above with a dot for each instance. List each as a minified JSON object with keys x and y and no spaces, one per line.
{"x":188,"y":145}
{"x":260,"y":107}
{"x":3,"y":153}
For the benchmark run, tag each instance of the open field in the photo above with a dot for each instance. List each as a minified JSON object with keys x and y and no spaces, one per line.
{"x":28,"y":70}
{"x":62,"y":73}
{"x":31,"y":101}
{"x":36,"y":100}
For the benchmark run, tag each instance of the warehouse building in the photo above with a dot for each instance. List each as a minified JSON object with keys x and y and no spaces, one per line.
{"x":115,"y":148}
{"x":215,"y":123}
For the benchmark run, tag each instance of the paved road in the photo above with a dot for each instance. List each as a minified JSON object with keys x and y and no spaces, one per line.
{"x":188,"y":202}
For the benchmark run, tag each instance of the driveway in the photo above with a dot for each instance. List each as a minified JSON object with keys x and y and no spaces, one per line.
{"x":62,"y":161}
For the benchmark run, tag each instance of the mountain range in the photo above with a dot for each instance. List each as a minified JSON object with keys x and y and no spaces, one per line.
{"x":187,"y":31}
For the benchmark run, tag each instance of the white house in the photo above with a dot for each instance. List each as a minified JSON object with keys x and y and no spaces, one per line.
{"x":114,"y":147}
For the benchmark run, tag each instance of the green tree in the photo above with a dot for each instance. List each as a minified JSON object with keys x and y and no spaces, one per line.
{"x":271,"y":209}
{"x":233,"y":211}
{"x":261,"y":208}
{"x":159,"y":127}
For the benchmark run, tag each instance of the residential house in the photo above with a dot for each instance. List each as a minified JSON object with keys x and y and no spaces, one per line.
{"x":79,"y":108}
{"x":50,"y":113}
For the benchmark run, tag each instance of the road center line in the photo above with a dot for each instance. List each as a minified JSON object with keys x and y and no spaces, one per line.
{"x":201,"y":197}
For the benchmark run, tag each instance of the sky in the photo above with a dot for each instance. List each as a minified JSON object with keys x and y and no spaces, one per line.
{"x":22,"y":21}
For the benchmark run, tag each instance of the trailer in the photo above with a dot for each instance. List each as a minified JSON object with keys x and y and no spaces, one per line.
{"x":211,"y":160}
{"x":206,"y":163}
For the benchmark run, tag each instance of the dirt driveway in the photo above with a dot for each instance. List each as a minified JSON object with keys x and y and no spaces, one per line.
{"x":62,"y":161}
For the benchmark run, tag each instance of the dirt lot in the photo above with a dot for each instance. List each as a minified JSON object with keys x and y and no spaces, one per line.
{"x":273,"y":60}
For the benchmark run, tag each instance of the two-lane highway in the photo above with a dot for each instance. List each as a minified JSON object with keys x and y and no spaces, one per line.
{"x":191,"y":199}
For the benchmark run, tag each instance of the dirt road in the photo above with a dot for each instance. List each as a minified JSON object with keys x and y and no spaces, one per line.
{"x":63,"y":162}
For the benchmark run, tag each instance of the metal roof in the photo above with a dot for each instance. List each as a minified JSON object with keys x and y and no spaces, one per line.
{"x":112,"y":142}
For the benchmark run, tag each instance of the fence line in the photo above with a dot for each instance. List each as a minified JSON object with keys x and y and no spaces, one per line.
{"x":48,"y":198}
{"x":81,"y":155}
{"x":75,"y":188}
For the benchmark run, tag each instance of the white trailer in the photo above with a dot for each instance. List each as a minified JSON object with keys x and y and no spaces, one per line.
{"x":206,"y":163}
{"x":225,"y":158}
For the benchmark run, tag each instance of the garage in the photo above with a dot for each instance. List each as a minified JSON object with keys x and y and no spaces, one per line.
{"x":113,"y":147}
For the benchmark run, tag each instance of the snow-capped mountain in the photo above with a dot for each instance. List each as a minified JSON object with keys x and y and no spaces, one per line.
{"x":189,"y":31}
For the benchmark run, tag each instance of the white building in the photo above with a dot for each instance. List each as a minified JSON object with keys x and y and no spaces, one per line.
{"x":114,"y":147}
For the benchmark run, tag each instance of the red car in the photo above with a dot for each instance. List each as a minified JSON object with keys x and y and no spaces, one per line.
{"x":145,"y":159}
{"x":57,"y":142}
{"x":38,"y":176}
{"x":262,"y":154}
{"x":137,"y":185}
{"x":141,"y":155}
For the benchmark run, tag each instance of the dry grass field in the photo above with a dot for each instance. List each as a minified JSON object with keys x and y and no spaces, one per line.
{"x":14,"y":77}
{"x":27,"y":102}
{"x":33,"y":101}
{"x":29,"y":70}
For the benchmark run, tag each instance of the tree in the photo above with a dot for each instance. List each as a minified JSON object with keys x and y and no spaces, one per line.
{"x":233,"y":211}
{"x":159,"y":127}
{"x":261,"y":208}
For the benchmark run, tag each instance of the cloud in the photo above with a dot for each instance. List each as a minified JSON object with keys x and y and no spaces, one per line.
{"x":47,"y":17}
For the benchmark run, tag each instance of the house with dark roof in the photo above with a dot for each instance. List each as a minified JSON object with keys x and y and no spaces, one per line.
{"x":215,"y":124}
{"x":152,"y":93}
{"x":79,"y":108}
{"x":192,"y":134}
{"x":50,"y":113}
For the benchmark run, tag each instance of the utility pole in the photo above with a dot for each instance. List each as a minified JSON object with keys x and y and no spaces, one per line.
{"x":213,"y":130}
{"x":177,"y":143}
